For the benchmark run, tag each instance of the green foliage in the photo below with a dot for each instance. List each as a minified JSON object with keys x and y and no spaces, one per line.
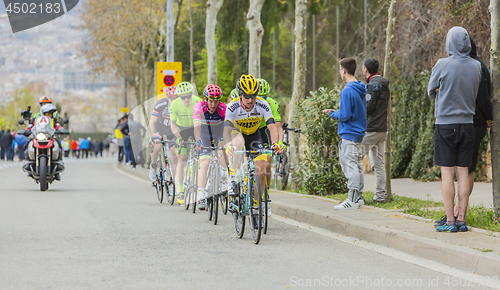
{"x":320,"y":172}
{"x":10,"y":110}
{"x":412,"y":129}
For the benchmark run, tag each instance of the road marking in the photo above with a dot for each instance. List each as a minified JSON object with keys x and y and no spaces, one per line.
{"x":432,"y":265}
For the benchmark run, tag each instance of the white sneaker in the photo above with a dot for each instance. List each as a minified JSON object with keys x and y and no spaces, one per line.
{"x":201,"y":204}
{"x":347,"y":205}
{"x":361,"y":201}
{"x":152,"y":174}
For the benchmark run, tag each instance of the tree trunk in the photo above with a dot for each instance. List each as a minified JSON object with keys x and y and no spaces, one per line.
{"x":191,"y":65}
{"x":256,"y":33}
{"x":387,"y":72}
{"x":495,"y":81}
{"x":299,"y":85}
{"x":213,"y":7}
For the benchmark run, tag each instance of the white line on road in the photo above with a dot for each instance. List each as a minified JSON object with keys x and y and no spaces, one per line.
{"x":432,"y":265}
{"x":130,"y":175}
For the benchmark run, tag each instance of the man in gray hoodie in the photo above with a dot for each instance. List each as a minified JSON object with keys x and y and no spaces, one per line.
{"x":454,"y":84}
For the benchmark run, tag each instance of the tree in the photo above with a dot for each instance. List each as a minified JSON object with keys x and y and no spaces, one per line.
{"x":299,"y":85}
{"x":387,"y":72}
{"x":256,"y":33}
{"x":213,"y":7}
{"x":495,"y":80}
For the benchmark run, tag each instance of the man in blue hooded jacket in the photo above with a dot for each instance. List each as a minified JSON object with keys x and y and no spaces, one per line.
{"x":352,"y":127}
{"x":454,"y":84}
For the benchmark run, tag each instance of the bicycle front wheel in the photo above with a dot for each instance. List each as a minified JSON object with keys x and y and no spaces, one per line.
{"x":264,"y":205}
{"x":159,"y":181}
{"x":237,"y":204}
{"x":285,"y":171}
{"x":169,"y":182}
{"x":277,"y":171}
{"x":255,"y":208}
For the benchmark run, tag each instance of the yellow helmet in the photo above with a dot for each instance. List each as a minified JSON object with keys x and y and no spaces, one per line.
{"x":247,"y":85}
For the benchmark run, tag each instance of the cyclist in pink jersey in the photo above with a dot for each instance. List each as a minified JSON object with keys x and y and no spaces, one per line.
{"x":208,"y":120}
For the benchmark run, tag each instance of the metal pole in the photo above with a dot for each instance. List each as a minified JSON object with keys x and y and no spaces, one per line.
{"x":170,"y":31}
{"x":124,"y":83}
{"x":337,"y":55}
{"x":293,"y":56}
{"x":365,"y":52}
{"x":274,"y":61}
{"x":314,"y":52}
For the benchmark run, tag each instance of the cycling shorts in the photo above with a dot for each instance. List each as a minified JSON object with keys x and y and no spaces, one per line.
{"x":207,"y":143}
{"x":186,"y":134}
{"x":254,"y":142}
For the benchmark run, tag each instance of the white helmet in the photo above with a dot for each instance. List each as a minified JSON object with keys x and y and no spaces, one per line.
{"x":48,"y":108}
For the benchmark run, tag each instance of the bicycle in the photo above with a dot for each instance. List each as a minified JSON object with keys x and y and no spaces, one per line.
{"x":190,"y":182}
{"x":164,"y":175}
{"x":282,"y":170}
{"x":243,"y":204}
{"x":214,"y":192}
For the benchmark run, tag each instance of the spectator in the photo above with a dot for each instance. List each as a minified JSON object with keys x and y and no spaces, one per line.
{"x":84,"y":146}
{"x":454,"y":83}
{"x":65,"y":147}
{"x":127,"y":145}
{"x":91,"y":146}
{"x":377,"y":95}
{"x":100,"y":148}
{"x":137,"y":133}
{"x":6,"y":144}
{"x":21,"y":141}
{"x":2,"y":148}
{"x":119,"y":139}
{"x":74,"y":147}
{"x":351,"y":128}
{"x":107,"y":145}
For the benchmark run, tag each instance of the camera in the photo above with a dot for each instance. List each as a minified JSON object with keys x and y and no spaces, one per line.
{"x":26,"y":113}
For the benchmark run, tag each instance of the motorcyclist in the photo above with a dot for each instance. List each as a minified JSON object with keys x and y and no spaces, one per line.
{"x":45,"y":100}
{"x":48,"y":110}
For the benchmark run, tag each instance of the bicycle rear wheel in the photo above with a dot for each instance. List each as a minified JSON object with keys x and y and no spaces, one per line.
{"x":277,"y":170}
{"x":215,"y":208}
{"x":256,"y":209}
{"x":194,"y":185}
{"x":285,"y":171}
{"x":264,"y":205}
{"x":224,"y":202}
{"x":187,"y":185}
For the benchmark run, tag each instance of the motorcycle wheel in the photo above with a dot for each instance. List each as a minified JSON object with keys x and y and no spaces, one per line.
{"x":43,"y":173}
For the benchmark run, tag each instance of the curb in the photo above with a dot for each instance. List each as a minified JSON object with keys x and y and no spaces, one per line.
{"x":463,"y":258}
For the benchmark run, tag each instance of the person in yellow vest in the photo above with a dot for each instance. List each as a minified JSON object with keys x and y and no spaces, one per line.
{"x":119,"y":139}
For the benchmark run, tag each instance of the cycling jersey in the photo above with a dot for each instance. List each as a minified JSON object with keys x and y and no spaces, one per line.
{"x":275,"y":109}
{"x":211,"y":124}
{"x":248,"y":122}
{"x":182,"y":115}
{"x":162,"y":111}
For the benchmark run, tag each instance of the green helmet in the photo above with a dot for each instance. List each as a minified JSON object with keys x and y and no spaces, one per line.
{"x":184,"y":88}
{"x":264,"y":88}
{"x":234,"y":94}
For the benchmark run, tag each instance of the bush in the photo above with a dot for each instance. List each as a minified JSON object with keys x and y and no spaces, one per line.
{"x":319,"y":172}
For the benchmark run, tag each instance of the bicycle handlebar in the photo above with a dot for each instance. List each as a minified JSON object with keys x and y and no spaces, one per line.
{"x":285,"y":128}
{"x":262,"y":151}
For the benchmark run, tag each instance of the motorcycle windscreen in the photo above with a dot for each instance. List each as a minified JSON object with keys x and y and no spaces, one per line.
{"x":43,"y":124}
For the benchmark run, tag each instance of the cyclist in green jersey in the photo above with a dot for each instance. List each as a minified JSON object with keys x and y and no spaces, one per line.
{"x":181,"y":122}
{"x":264,"y":90}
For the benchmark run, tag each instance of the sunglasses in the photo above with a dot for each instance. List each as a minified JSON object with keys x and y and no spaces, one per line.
{"x":185,"y":97}
{"x":250,"y":96}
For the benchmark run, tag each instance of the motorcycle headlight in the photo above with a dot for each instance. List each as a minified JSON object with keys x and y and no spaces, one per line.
{"x":41,"y":137}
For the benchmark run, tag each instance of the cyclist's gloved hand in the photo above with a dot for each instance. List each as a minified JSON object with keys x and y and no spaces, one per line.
{"x":230,"y":149}
{"x":283,"y":145}
{"x":199,"y":144}
{"x":277,"y":148}
{"x":179,"y":141}
{"x":152,"y":143}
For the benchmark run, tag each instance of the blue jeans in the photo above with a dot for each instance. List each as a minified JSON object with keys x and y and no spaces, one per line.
{"x":127,"y":147}
{"x":20,"y":152}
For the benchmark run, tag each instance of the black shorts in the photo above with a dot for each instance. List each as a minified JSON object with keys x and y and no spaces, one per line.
{"x":453,"y":145}
{"x":164,"y":132}
{"x":186,"y":133}
{"x":479,"y":133}
{"x":265,"y":135}
{"x":253,"y":141}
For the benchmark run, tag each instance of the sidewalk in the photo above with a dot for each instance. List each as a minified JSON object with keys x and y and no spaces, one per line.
{"x":389,"y":228}
{"x":481,"y":194}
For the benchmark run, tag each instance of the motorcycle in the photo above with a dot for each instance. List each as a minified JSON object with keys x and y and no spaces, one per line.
{"x":44,"y":154}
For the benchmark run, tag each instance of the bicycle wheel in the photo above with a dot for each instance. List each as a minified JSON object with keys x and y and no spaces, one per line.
{"x":215,"y":208}
{"x":224,"y":202}
{"x":285,"y":171}
{"x":187,"y":184}
{"x":279,"y":160}
{"x":210,"y":191}
{"x":194,"y":185}
{"x":169,"y":182}
{"x":264,"y":204}
{"x":159,"y":181}
{"x":239,"y":218}
{"x":256,"y":210}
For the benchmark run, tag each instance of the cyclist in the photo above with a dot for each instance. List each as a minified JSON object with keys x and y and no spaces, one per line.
{"x":242,"y":121}
{"x":208,"y":118}
{"x":181,"y":122}
{"x":264,"y":90}
{"x":159,"y":126}
{"x":233,"y":95}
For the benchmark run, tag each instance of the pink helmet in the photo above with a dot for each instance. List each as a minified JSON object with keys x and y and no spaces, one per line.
{"x":212,"y":92}
{"x":170,"y":93}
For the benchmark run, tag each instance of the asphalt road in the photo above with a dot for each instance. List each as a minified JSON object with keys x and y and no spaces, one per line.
{"x":100,"y":229}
